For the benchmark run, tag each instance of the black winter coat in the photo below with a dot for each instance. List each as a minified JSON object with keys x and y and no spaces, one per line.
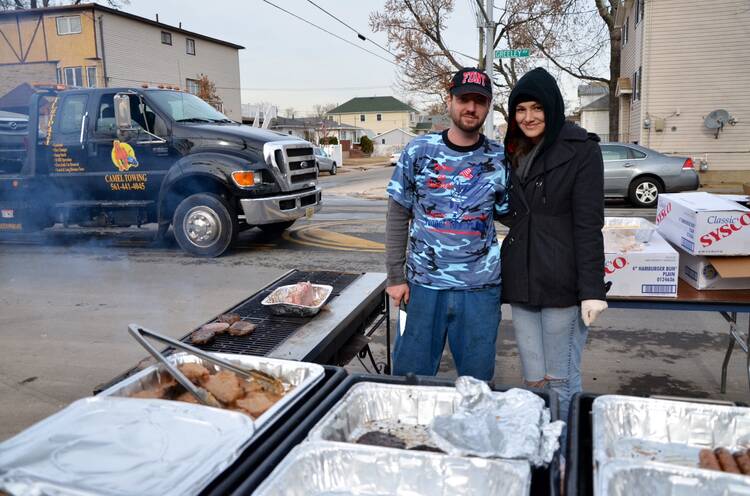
{"x":553,"y":255}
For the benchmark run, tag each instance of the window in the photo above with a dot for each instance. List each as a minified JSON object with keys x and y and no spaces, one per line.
{"x":379,"y":117}
{"x":73,"y":76}
{"x":361,"y":117}
{"x":639,"y":8}
{"x":68,"y":25}
{"x":145,"y":119}
{"x":640,"y":80}
{"x":59,"y":76}
{"x":192,"y":86}
{"x":71,"y":113}
{"x":636,"y":153}
{"x":190,"y":46}
{"x":91,"y":76}
{"x":614,"y":152}
{"x":637,"y":77}
{"x":382,"y":141}
{"x":166,"y":38}
{"x":625,"y":29}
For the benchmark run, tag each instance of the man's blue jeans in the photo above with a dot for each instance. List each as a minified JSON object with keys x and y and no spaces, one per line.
{"x":469,"y":319}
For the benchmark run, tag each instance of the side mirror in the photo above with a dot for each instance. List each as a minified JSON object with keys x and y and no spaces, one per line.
{"x":125,"y":130}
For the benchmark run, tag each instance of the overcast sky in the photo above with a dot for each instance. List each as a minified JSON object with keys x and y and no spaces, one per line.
{"x":292,"y":64}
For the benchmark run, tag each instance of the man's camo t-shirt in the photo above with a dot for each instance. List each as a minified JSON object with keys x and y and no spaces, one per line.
{"x":451,"y":192}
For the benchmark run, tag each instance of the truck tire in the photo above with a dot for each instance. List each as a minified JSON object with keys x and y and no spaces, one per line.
{"x":205,"y":225}
{"x":276,"y":228}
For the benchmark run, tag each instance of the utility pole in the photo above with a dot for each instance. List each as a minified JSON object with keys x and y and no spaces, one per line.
{"x":489,"y":56}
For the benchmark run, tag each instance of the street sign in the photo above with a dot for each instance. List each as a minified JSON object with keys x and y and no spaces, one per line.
{"x":513,"y":54}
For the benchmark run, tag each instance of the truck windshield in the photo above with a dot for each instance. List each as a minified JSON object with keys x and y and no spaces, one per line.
{"x":184,"y":107}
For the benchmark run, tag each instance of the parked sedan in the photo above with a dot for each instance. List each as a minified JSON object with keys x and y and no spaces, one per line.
{"x":325,"y":162}
{"x":13,"y":130}
{"x":640,"y":174}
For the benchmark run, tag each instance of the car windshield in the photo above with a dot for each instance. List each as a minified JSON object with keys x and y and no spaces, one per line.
{"x":185,"y":107}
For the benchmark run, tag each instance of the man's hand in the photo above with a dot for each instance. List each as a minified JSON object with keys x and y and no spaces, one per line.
{"x":398,"y":292}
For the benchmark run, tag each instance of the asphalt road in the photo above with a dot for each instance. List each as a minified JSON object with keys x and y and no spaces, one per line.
{"x":67,"y":296}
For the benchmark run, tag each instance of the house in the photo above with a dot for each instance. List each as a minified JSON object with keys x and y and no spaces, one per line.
{"x":391,"y":141}
{"x":315,"y":128}
{"x":95,"y":46}
{"x":593,"y":112}
{"x":378,"y":113}
{"x":681,"y":60}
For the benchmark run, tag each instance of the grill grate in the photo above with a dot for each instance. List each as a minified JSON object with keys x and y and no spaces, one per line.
{"x":272,"y":330}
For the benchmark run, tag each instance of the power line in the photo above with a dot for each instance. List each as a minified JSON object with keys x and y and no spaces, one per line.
{"x":329,"y":32}
{"x":245,"y":88}
{"x":359,"y":35}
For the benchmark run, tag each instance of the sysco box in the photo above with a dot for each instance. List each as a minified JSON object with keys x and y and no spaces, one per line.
{"x":704,"y":224}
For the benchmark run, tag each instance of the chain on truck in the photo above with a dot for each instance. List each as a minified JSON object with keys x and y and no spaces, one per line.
{"x":130,"y":156}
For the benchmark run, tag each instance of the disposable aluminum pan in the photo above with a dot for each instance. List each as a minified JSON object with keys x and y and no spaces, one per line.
{"x":275,"y":302}
{"x":298,"y":376}
{"x":663,"y":431}
{"x":123,"y":446}
{"x":629,"y":478}
{"x":322,"y":468}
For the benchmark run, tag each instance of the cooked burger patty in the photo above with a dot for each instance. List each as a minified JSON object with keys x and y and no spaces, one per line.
{"x":241,"y":328}
{"x":229,"y":318}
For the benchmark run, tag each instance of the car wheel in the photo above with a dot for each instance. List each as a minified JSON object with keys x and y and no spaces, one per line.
{"x":333,"y":169}
{"x":205,"y":225}
{"x":645,"y":191}
{"x":276,"y":228}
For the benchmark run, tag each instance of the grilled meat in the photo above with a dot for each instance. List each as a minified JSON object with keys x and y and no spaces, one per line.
{"x":229,"y":318}
{"x":160,"y":391}
{"x":241,"y":328}
{"x":377,"y":438}
{"x":187,"y":398}
{"x":195,"y":372}
{"x":743,"y":461}
{"x":256,"y":404}
{"x":216,"y":327}
{"x":726,"y":460}
{"x":225,"y":386}
{"x":202,"y":336}
{"x":707,"y":459}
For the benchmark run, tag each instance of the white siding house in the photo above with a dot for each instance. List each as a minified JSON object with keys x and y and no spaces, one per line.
{"x":392,"y":141}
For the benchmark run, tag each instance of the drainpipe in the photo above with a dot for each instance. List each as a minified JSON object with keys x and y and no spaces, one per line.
{"x":104,"y":56}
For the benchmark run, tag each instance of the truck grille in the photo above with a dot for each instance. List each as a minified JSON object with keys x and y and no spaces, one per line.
{"x":302,"y":165}
{"x":21,"y":126}
{"x":292,"y":163}
{"x":300,"y":178}
{"x":299,"y":152}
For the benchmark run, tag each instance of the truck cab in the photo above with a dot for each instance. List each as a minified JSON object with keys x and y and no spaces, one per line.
{"x":131,"y":156}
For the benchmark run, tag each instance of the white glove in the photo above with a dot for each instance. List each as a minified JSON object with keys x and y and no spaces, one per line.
{"x":590,"y":310}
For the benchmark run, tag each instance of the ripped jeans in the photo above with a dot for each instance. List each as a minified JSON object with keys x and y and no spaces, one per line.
{"x":550,"y":342}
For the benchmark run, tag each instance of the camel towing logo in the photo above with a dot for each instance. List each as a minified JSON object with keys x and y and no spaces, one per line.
{"x":123,"y":156}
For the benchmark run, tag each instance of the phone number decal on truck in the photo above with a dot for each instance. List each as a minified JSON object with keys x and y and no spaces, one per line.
{"x":126,"y":182}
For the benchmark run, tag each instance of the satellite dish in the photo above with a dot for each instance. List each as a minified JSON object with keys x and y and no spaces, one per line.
{"x":716,"y":120}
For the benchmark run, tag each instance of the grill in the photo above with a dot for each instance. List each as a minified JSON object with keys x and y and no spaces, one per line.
{"x":301,"y":165}
{"x":299,"y":152}
{"x":300,"y":178}
{"x":272,"y":330}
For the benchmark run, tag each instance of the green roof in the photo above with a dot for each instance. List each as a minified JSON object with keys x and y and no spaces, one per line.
{"x":423,"y":126}
{"x":372,"y":104}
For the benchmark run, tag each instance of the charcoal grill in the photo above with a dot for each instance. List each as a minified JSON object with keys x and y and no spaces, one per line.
{"x":355,"y":309}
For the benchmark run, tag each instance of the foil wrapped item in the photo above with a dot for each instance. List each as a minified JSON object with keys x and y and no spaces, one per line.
{"x":123,"y":446}
{"x":632,"y":478}
{"x":513,"y":424}
{"x":329,"y":468}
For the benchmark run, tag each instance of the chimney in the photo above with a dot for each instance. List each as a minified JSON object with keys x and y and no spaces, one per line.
{"x":180,"y":24}
{"x":157,"y":17}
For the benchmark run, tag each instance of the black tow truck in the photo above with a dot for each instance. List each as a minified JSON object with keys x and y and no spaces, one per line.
{"x":115,"y":157}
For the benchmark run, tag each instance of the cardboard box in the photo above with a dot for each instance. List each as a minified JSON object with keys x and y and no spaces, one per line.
{"x":714,"y":272}
{"x":634,"y":268}
{"x":704,"y":224}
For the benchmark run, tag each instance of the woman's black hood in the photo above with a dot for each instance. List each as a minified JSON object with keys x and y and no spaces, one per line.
{"x":537,"y":85}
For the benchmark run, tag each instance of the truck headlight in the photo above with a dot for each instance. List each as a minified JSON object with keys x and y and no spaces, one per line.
{"x":245,"y":179}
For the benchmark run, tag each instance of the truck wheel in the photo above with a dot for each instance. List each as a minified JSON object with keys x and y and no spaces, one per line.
{"x":205,"y":225}
{"x":276,"y":228}
{"x":333,"y":169}
{"x":644,"y":192}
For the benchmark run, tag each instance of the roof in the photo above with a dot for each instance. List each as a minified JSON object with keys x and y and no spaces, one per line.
{"x":423,"y":126}
{"x":372,"y":104}
{"x":592,"y":89}
{"x":624,"y":86}
{"x":309,"y":122}
{"x":396,"y":129}
{"x":601,"y":103}
{"x":87,"y":6}
{"x":18,"y":98}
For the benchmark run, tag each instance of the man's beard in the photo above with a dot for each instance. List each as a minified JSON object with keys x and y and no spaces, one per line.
{"x":468,"y":129}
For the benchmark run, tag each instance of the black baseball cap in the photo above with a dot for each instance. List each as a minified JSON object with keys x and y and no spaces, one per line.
{"x":471,"y":80}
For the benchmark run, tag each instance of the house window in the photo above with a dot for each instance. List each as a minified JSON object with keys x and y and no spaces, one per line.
{"x":73,"y":76}
{"x":639,"y":8}
{"x":361,"y":117}
{"x":637,"y":76}
{"x":190,"y":46}
{"x":625,"y":29}
{"x":166,"y":38}
{"x":68,"y":25}
{"x":379,"y":117}
{"x":91,"y":76}
{"x":382,"y":141}
{"x":192,"y":86}
{"x":60,"y":76}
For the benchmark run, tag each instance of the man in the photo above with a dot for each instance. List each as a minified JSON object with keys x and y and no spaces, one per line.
{"x":448,"y":185}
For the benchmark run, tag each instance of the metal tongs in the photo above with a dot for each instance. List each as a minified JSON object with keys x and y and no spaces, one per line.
{"x":267,"y":382}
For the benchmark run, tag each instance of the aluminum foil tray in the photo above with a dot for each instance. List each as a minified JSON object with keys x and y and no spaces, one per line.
{"x":324,"y":468}
{"x":275,"y":304}
{"x":298,"y":376}
{"x":405,"y":411}
{"x":629,"y":478}
{"x":123,"y":446}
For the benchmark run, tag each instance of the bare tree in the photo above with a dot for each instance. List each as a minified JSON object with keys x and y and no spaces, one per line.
{"x":320,"y":110}
{"x":37,"y":4}
{"x":289,"y":112}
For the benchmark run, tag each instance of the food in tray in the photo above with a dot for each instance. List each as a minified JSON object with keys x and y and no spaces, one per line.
{"x":723,"y":460}
{"x":248,"y":396}
{"x":425,"y":447}
{"x":388,"y":439}
{"x":301,"y":294}
{"x":228,"y":318}
{"x":376,"y":438}
{"x":241,"y":328}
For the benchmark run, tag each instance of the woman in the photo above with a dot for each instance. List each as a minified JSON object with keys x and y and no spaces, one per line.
{"x":553,"y":256}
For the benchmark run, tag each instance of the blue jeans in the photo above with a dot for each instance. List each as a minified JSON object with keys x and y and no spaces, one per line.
{"x":550,"y":342}
{"x":468,"y":318}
